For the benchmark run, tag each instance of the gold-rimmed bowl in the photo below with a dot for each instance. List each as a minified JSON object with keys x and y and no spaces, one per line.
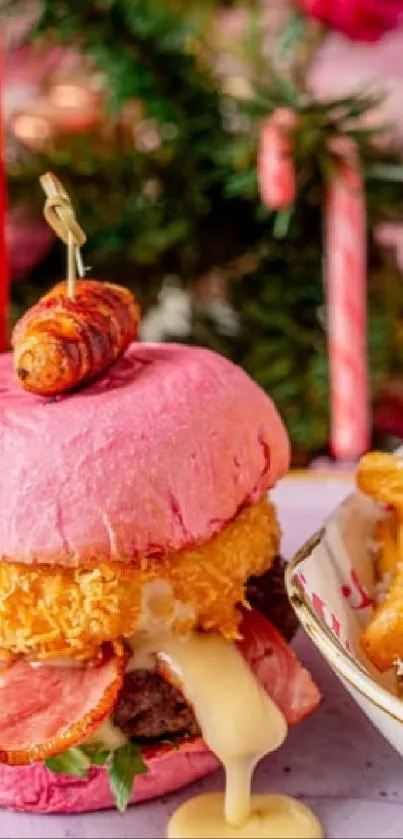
{"x":333,"y":612}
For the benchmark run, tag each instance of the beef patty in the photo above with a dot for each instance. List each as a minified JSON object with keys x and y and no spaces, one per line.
{"x":149,"y":708}
{"x":268,"y":595}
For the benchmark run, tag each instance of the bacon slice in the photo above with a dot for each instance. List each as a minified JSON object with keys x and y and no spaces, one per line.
{"x":274,"y":664}
{"x":45,"y":710}
{"x":277,"y":668}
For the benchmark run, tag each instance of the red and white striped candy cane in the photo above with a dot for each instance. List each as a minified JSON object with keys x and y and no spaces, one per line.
{"x":346,"y":286}
{"x":276,"y":169}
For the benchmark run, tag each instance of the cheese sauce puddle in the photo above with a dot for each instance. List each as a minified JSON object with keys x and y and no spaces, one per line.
{"x":272,"y":817}
{"x":240,"y":724}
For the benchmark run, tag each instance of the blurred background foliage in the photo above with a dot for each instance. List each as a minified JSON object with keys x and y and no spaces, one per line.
{"x":162,"y":171}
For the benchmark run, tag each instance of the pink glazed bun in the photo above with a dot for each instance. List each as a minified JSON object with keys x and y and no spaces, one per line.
{"x":153,"y":480}
{"x":158,"y":455}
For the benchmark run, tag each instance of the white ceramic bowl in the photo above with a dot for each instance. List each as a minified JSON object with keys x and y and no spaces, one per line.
{"x":320,"y":573}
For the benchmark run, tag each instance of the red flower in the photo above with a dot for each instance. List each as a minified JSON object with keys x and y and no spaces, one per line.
{"x":360,"y":20}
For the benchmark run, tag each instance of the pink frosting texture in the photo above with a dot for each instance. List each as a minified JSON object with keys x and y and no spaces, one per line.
{"x":156,"y":456}
{"x":37,"y":790}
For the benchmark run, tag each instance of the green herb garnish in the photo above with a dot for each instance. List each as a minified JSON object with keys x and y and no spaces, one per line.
{"x":123,"y":764}
{"x":126,"y":762}
{"x":73,"y":762}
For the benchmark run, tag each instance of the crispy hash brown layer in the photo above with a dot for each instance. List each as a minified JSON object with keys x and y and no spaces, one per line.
{"x":58,"y":612}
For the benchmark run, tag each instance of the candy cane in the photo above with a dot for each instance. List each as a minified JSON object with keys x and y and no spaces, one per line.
{"x":346,"y":274}
{"x":276,"y":170}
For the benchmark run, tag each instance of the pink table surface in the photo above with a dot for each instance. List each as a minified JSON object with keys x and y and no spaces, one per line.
{"x":336,"y":760}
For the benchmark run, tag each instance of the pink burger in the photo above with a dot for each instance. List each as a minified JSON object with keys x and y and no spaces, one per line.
{"x":134,"y":511}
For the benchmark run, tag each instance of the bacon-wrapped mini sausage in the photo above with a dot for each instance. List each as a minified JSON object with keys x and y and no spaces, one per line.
{"x":63,"y":342}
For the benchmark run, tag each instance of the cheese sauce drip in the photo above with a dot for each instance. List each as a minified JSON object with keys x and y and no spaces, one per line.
{"x":240,"y":724}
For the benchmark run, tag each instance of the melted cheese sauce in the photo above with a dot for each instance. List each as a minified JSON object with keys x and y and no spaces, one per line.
{"x":271,"y":817}
{"x":240,"y":724}
{"x":160,"y":610}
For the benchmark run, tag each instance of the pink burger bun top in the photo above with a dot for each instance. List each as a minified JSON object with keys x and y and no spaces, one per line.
{"x":156,"y":456}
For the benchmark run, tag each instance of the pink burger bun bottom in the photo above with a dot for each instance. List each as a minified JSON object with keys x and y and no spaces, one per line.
{"x":35,"y":789}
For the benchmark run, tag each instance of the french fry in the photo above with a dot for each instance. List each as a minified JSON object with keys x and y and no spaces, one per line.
{"x":380,"y":475}
{"x":387,"y":537}
{"x":382,"y":638}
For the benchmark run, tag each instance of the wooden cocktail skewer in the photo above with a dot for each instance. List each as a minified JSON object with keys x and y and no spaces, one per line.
{"x":59,"y":214}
